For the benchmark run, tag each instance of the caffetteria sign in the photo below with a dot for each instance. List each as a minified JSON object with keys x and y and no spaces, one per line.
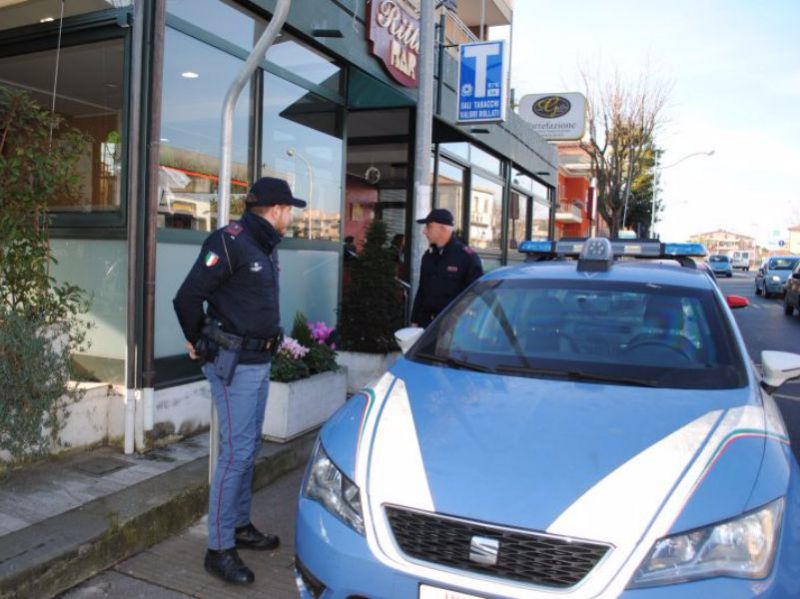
{"x":555,"y":116}
{"x":394,"y":33}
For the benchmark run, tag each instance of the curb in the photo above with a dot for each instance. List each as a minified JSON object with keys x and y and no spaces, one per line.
{"x":56,"y":554}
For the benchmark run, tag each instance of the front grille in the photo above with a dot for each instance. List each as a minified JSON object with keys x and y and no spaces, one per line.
{"x":523,"y":556}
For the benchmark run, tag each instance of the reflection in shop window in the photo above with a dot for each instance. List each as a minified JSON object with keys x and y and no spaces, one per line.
{"x":220,"y":17}
{"x":450,"y":192}
{"x":16,"y":13}
{"x":541,"y":221}
{"x":89,"y":98}
{"x":196,"y":79}
{"x":517,"y":218}
{"x":486,"y":214}
{"x":302,"y":143}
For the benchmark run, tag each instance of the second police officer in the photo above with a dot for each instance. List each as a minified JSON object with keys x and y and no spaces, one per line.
{"x":448,"y":267}
{"x":236,"y":274}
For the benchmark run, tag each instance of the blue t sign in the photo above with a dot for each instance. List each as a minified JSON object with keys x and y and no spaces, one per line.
{"x":481,"y":89}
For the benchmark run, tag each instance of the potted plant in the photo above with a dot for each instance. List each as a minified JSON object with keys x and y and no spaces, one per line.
{"x":307,"y":385}
{"x":371,"y":311}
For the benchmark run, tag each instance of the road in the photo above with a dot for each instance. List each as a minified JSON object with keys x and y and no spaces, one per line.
{"x":763,"y":325}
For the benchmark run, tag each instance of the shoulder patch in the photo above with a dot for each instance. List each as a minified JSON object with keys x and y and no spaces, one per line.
{"x":469,"y":250}
{"x":234,"y":228}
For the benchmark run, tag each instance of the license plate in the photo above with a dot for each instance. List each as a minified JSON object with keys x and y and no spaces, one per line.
{"x":426,"y":592}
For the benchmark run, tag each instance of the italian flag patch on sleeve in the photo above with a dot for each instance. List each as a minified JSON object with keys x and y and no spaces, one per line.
{"x":211,"y":259}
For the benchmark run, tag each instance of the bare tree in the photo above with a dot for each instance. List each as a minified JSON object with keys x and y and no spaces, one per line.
{"x":623,"y":120}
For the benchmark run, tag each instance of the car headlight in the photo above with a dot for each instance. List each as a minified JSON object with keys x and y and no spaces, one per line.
{"x":776,"y":279}
{"x":328,"y":485}
{"x":743,"y":547}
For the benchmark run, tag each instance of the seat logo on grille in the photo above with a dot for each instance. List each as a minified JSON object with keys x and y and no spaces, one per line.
{"x":483,"y":550}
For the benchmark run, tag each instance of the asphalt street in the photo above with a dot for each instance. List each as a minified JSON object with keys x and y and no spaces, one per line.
{"x":763,"y":325}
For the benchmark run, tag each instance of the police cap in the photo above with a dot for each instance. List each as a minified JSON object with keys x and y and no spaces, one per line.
{"x":271,"y":191}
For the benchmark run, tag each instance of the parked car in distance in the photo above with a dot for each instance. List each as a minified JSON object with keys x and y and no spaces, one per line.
{"x":741,"y":259}
{"x":721,"y":265}
{"x":772,"y":274}
{"x":791,"y":296}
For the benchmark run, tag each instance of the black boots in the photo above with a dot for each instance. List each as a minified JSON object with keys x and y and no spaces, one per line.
{"x":249,"y":537}
{"x":227,"y":565}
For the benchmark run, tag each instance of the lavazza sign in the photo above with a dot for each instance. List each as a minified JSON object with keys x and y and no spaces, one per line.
{"x":394,"y":33}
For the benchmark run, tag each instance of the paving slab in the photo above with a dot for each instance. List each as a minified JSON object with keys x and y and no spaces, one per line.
{"x":159,"y":498}
{"x":177,"y":563}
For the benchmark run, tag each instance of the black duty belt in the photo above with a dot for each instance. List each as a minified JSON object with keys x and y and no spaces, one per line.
{"x":261,"y":344}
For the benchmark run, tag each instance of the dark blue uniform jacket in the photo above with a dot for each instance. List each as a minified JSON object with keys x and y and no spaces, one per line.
{"x":237,"y":274}
{"x":443,"y":275}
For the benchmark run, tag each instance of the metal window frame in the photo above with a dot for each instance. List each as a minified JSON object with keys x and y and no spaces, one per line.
{"x":83,"y":30}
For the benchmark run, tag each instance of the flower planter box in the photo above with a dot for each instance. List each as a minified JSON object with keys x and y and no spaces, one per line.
{"x":297,"y":407}
{"x":364,"y":368}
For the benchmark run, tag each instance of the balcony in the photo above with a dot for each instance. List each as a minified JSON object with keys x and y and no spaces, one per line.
{"x":569,"y":214}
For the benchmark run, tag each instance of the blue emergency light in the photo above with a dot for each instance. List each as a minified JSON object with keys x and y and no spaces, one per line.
{"x":601,"y":250}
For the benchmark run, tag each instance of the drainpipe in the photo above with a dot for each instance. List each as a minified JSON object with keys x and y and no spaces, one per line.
{"x":226,"y":152}
{"x":132,"y":329}
{"x":422,"y":148}
{"x":151,"y":214}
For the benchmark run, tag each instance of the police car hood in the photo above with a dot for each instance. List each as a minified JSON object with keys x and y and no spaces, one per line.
{"x":592,"y":461}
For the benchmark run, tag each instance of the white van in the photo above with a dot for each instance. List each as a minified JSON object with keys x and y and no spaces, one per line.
{"x":741,"y":259}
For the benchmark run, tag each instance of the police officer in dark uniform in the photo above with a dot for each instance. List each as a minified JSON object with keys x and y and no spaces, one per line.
{"x":236,"y":274}
{"x":448,"y":268}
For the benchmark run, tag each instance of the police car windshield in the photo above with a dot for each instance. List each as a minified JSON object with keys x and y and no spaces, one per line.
{"x":594,"y":331}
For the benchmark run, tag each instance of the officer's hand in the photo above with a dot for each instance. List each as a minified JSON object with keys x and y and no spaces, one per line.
{"x":192,"y":353}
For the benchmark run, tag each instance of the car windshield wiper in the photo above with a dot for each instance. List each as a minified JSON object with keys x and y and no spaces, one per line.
{"x":575,"y":375}
{"x":454,"y":362}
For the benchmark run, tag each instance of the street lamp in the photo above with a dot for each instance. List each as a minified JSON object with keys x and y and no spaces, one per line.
{"x":657,"y":176}
{"x":292,"y":152}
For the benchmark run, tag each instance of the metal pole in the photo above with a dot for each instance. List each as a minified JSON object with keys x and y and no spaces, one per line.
{"x":226,"y":141}
{"x":423,"y":135}
{"x":132,"y":346}
{"x":226,"y":151}
{"x":151,"y":214}
{"x":483,"y":19}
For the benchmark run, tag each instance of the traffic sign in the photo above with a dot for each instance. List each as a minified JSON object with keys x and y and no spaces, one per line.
{"x":481,"y":82}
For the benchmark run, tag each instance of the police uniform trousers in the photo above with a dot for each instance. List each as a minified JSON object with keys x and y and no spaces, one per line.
{"x":240,"y":412}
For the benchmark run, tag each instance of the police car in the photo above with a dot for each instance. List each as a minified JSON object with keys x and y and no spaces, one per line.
{"x":586,"y":427}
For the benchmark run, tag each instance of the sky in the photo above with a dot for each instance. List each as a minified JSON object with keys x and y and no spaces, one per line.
{"x":734,"y":71}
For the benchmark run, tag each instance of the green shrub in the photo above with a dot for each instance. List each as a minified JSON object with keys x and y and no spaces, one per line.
{"x":372,"y":306}
{"x":40,"y":324}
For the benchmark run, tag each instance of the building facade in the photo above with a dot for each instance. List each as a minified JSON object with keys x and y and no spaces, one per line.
{"x":725,"y":242}
{"x":329,"y":109}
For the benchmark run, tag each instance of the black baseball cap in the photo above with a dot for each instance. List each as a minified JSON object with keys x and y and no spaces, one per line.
{"x":271,"y":191}
{"x":438,"y":215}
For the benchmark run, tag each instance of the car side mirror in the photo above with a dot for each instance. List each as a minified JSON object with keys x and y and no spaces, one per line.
{"x":737,"y":301}
{"x":779,"y":367}
{"x":407,"y":337}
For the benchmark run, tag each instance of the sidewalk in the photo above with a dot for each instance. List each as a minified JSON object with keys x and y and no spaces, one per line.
{"x":64,"y":520}
{"x":173,"y":569}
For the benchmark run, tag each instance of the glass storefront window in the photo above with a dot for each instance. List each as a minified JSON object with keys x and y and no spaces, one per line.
{"x":450,"y":192}
{"x":196,"y":79}
{"x":517,"y":218}
{"x":485,"y":160}
{"x":223,"y":18}
{"x":541,"y":221}
{"x":486,"y":214}
{"x":521,"y":180}
{"x":30,"y":12}
{"x":89,"y":97}
{"x":302,"y":143}
{"x":305,"y":62}
{"x":456,"y":148}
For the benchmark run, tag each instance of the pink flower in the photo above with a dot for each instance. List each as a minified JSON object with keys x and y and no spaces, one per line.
{"x":291,"y":348}
{"x":319,"y":331}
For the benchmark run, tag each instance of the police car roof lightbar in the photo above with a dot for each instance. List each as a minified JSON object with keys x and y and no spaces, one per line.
{"x":618,"y":248}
